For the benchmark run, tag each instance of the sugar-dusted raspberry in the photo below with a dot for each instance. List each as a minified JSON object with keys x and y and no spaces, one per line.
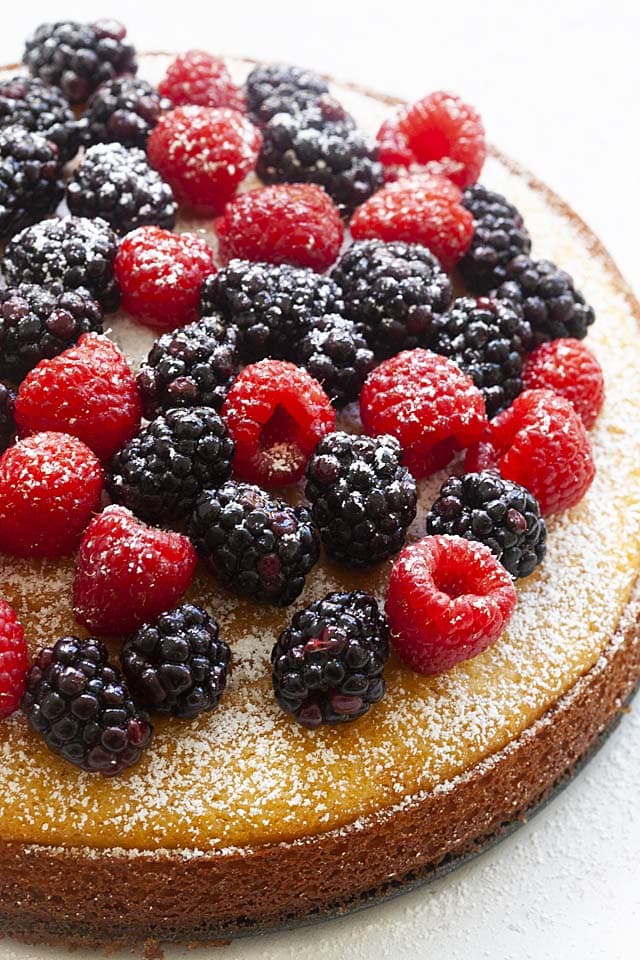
{"x":419,"y":209}
{"x":196,"y":77}
{"x":204,"y":153}
{"x":428,"y":403}
{"x":568,"y":368}
{"x":276,"y":414}
{"x":448,"y":600}
{"x":541,"y":443}
{"x":14,"y":661}
{"x":50,"y":484}
{"x":160,"y":276}
{"x":128,"y":573}
{"x":88,"y":391}
{"x":295,"y":223}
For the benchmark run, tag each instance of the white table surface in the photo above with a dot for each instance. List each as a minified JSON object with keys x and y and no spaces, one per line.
{"x":558,"y":85}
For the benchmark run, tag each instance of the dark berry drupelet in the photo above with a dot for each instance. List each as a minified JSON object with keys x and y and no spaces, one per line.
{"x":363,"y":500}
{"x":38,"y":323}
{"x":178,"y":664}
{"x":336,"y":354}
{"x":116,"y":183}
{"x":499,"y":513}
{"x":548,"y":299}
{"x":488,"y":339}
{"x":499,"y":235}
{"x":160,"y":473}
{"x":279,"y":88}
{"x":82,"y":707}
{"x":75,"y":251}
{"x":327,"y":666}
{"x":124,"y":110}
{"x":258,"y":546}
{"x":33,"y":105}
{"x":30,"y":179}
{"x":393,"y":291}
{"x":7,"y":422}
{"x":193,"y":366}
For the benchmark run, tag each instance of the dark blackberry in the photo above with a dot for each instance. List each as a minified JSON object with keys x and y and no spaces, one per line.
{"x":177,"y":665}
{"x":488,"y":339}
{"x":275,"y":88}
{"x":499,"y":235}
{"x":117,"y":184}
{"x":124,"y":110}
{"x":78,"y":57}
{"x":393,"y":291}
{"x":30,"y":179}
{"x":160,"y":473}
{"x":499,"y":513}
{"x":362,"y":499}
{"x":193,"y":366}
{"x":37,"y":323}
{"x":29,"y":103}
{"x":81,"y":706}
{"x":327,"y":666}
{"x":548,"y":299}
{"x":336,"y":354}
{"x":258,"y":546}
{"x":7,"y":423}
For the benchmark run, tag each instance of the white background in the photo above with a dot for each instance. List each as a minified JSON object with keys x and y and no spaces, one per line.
{"x":558,"y":85}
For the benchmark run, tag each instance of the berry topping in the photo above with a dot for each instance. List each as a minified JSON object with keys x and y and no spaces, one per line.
{"x":14,"y":661}
{"x":335,"y":353}
{"x":35,"y":106}
{"x":499,"y":235}
{"x":7,"y":421}
{"x":569,"y":369}
{"x":30,"y":179}
{"x":124,"y":111}
{"x":195,"y":77}
{"x":279,"y":88}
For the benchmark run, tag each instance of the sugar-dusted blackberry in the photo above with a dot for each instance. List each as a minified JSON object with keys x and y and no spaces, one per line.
{"x":275,"y":88}
{"x":257,"y":545}
{"x":37,"y":323}
{"x":78,"y":57}
{"x":75,"y":251}
{"x":362,"y":499}
{"x":7,"y":422}
{"x":548,"y":299}
{"x":82,"y":707}
{"x":499,"y":235}
{"x":502,"y":514}
{"x":124,"y":110}
{"x":30,"y":179}
{"x":327,"y":666}
{"x":488,"y":339}
{"x":336,"y":354}
{"x":35,"y":106}
{"x":159,"y":474}
{"x":116,"y":183}
{"x":393,"y":291}
{"x":178,"y":664}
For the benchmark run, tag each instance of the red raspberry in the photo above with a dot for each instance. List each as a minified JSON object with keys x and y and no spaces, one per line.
{"x":569,"y":369}
{"x":448,"y":600}
{"x":204,"y":153}
{"x":425,"y":401}
{"x":420,"y":209}
{"x":276,"y":415}
{"x":541,"y":443}
{"x":288,"y":223}
{"x":14,"y":661}
{"x":160,"y":275}
{"x":128,"y":573}
{"x":50,"y":484}
{"x":88,"y":391}
{"x":196,"y":77}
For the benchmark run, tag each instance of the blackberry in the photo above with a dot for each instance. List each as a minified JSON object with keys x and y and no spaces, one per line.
{"x":160,"y":472}
{"x":75,"y":251}
{"x":193,"y":366}
{"x":276,"y":88}
{"x":78,"y":57}
{"x":117,"y":184}
{"x":327,"y":666}
{"x":393,"y":291}
{"x":33,"y":105}
{"x":258,"y":546}
{"x":499,"y":235}
{"x":488,"y":339}
{"x":548,"y":299}
{"x":177,"y":665}
{"x":499,"y":513}
{"x":336,"y":354}
{"x":363,"y":500}
{"x":7,"y":423}
{"x":37,"y":323}
{"x":81,"y":706}
{"x":124,"y":110}
{"x":30,"y":179}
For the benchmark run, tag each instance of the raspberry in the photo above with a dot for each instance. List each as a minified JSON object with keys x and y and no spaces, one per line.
{"x":195,"y":77}
{"x":448,"y":600}
{"x":427,"y":403}
{"x":204,"y":153}
{"x":276,"y":415}
{"x":50,"y":484}
{"x":123,"y":111}
{"x":30,"y":179}
{"x":127,"y":573}
{"x":539,"y":442}
{"x":14,"y":661}
{"x":290,"y":223}
{"x":569,"y":369}
{"x":279,"y":88}
{"x":35,"y":106}
{"x":160,"y":276}
{"x":88,"y":391}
